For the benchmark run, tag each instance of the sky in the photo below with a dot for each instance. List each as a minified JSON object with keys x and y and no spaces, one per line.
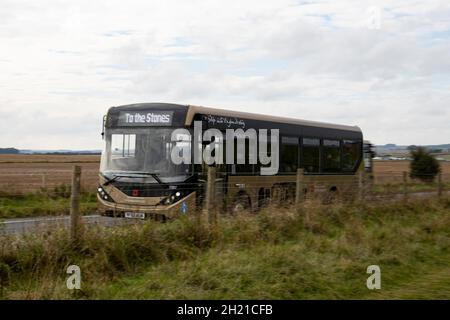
{"x":381,"y":65}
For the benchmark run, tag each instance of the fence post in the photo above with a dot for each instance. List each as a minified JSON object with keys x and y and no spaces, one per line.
{"x":361,"y":185}
{"x":299,"y":189}
{"x":440,"y":184}
{"x":300,"y":197}
{"x":44,"y":181}
{"x":405,"y":185}
{"x":75,"y":203}
{"x":209,"y":200}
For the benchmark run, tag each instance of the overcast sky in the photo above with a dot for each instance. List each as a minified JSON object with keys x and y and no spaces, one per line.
{"x":63,"y":63}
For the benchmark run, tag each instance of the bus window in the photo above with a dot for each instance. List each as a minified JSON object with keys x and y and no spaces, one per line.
{"x":289,"y":155}
{"x":351,"y":151}
{"x":331,"y":156}
{"x":311,"y":155}
{"x":247,"y":168}
{"x":123,"y":145}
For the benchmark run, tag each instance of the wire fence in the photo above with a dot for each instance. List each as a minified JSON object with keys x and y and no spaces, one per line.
{"x":334,"y":189}
{"x":56,"y":181}
{"x":24,"y":182}
{"x":226,"y":194}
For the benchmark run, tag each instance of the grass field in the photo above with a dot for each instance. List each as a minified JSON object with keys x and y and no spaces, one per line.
{"x":48,"y":158}
{"x":392,"y":171}
{"x":29,"y":173}
{"x":37,"y":185}
{"x":276,"y":254}
{"x":44,"y":203}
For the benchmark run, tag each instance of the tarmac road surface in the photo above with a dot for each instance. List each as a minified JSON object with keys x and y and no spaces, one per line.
{"x":25,"y":225}
{"x":37,"y":224}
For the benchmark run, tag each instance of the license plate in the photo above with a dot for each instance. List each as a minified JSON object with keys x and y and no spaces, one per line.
{"x":135,"y":215}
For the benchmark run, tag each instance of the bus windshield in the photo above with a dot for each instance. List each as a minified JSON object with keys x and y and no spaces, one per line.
{"x":143,"y":150}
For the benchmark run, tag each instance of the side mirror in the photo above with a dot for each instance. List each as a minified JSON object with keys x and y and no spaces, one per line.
{"x":103,"y":127}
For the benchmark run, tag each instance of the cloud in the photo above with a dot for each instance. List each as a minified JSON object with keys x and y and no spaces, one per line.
{"x":64,"y":63}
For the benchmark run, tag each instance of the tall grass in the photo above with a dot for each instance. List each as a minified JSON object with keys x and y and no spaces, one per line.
{"x":341,"y":237}
{"x":45,"y":202}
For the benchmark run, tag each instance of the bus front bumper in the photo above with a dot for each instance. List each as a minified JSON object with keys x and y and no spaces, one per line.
{"x":185,"y":206}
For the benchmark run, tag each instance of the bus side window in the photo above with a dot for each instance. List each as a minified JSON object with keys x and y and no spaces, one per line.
{"x":331,"y":155}
{"x":257,"y":167}
{"x":351,"y":151}
{"x":289,"y":155}
{"x":247,"y":168}
{"x":123,"y":145}
{"x":311,"y":155}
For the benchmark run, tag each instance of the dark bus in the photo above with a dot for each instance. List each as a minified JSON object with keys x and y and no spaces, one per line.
{"x":139,"y":180}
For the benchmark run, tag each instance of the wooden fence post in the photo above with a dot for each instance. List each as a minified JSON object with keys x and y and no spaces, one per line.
{"x":361,"y":186}
{"x":210,"y":192}
{"x":75,"y":203}
{"x":44,"y":181}
{"x":300,"y":197}
{"x":440,"y":185}
{"x":299,"y":189}
{"x":405,"y":185}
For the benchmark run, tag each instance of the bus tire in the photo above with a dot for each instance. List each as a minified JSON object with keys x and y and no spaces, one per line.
{"x":240,"y":204}
{"x":331,"y":196}
{"x":263,"y":198}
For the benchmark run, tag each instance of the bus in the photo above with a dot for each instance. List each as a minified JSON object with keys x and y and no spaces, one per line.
{"x":139,"y":179}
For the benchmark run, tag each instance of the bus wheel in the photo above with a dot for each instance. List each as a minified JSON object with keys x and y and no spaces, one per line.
{"x":331,"y":196}
{"x":240,"y":204}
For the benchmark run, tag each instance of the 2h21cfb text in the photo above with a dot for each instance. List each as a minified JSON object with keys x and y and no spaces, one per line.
{"x":239,"y":309}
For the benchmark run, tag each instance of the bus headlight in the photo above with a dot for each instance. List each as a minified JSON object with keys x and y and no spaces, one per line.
{"x":177,"y":196}
{"x":102,"y":193}
{"x":173,"y":198}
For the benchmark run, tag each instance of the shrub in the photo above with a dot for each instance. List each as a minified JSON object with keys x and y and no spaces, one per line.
{"x":4,"y":276}
{"x":424,"y":166}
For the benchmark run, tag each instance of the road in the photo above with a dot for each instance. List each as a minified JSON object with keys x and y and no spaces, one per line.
{"x":24,"y":225}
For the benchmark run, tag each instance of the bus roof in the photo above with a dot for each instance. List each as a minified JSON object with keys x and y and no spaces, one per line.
{"x":192,"y":110}
{"x":263,"y":117}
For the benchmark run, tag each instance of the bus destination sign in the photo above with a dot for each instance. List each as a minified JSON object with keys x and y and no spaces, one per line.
{"x":145,"y":118}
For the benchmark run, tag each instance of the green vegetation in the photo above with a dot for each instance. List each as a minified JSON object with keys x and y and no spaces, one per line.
{"x":446,"y":157}
{"x":424,"y":166}
{"x":57,"y":201}
{"x":397,"y":188}
{"x":276,"y":254}
{"x":43,"y":203}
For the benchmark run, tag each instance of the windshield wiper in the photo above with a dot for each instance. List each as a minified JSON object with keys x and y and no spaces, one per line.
{"x":118,"y":176}
{"x":154,"y":175}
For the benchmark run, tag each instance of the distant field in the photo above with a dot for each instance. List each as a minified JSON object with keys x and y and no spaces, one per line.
{"x":44,"y":158}
{"x":392,"y":171}
{"x":445,"y":156}
{"x":27,"y":173}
